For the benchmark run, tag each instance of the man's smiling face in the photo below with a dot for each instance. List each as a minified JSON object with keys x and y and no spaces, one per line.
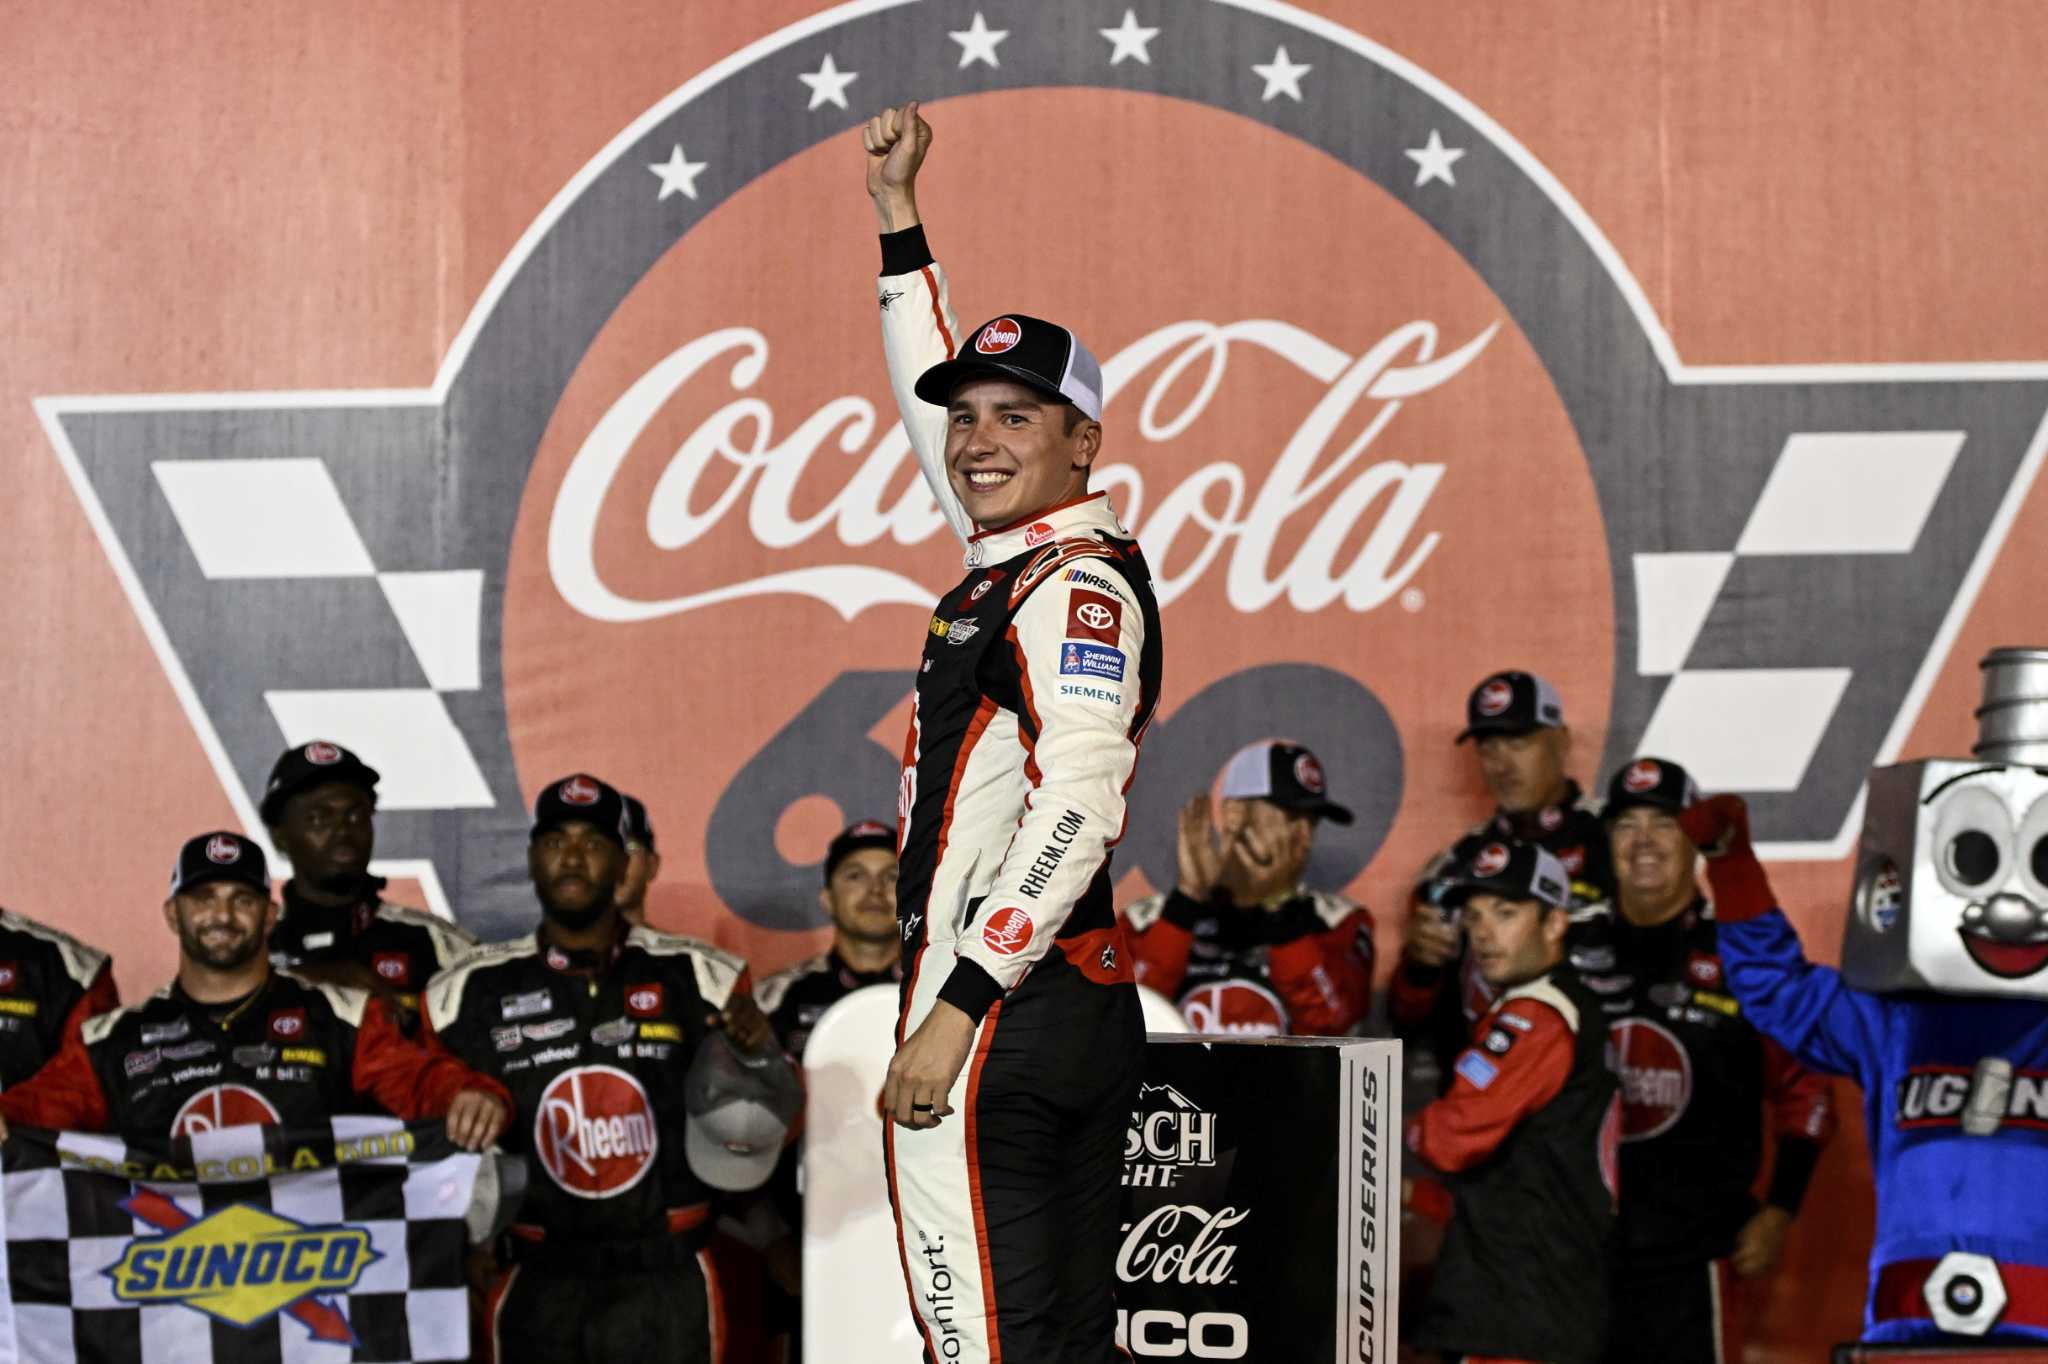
{"x":1012,"y":452}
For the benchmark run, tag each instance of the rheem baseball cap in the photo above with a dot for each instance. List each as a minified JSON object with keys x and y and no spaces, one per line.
{"x":639,"y":831}
{"x":868,"y":833}
{"x":581,"y":798}
{"x":1036,"y":353}
{"x":1511,"y":869}
{"x":1286,"y":774}
{"x":738,"y":1109}
{"x":1511,"y":703}
{"x":219,"y":856}
{"x":307,"y":766}
{"x":1653,"y":782}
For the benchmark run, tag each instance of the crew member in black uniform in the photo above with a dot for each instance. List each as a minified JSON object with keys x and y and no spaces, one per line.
{"x":321,"y":809}
{"x":1516,"y":723}
{"x":593,"y":1024}
{"x":50,"y":983}
{"x":233,"y":1041}
{"x":1699,"y":1084}
{"x":1526,"y":1132}
{"x":1040,"y":672}
{"x":1239,"y":943}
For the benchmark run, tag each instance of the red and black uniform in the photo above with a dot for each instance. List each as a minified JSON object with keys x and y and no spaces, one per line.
{"x":1434,"y":1007}
{"x":401,"y":948}
{"x":290,"y":1053}
{"x":50,"y":983}
{"x":608,"y":1249}
{"x":1527,"y":1133}
{"x":1041,"y":669}
{"x":1698,"y":1084}
{"x":1301,"y":966}
{"x":796,"y":997}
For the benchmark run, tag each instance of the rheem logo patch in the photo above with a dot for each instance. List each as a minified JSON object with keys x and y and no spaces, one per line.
{"x":1655,"y":1073}
{"x":1007,"y":932}
{"x":219,"y":1106}
{"x":594,"y":1132}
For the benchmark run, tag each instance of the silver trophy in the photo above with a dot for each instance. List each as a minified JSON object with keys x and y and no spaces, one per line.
{"x":1952,"y":868}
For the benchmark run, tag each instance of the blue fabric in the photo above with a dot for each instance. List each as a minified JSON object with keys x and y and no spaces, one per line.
{"x":1937,"y":1189}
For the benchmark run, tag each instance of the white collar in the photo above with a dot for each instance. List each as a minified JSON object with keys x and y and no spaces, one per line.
{"x":1083,"y":514}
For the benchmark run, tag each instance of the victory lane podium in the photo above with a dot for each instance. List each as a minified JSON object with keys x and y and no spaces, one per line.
{"x":1261,"y":1197}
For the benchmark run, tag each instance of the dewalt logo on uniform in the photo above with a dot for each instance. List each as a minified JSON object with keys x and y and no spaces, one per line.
{"x":243,"y":1265}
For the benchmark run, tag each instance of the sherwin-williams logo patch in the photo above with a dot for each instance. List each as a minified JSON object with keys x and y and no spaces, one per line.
{"x":241,"y":1265}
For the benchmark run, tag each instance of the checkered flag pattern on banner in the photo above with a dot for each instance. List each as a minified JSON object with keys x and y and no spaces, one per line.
{"x":336,"y":1243}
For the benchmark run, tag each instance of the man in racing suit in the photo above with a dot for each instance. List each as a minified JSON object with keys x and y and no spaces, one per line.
{"x":50,"y":983}
{"x":1239,"y":944}
{"x":1526,"y":1133}
{"x":1695,"y":1077}
{"x":592,"y":1023}
{"x":336,"y":926}
{"x":1040,"y":671}
{"x":1515,"y":721}
{"x":232,"y":1040}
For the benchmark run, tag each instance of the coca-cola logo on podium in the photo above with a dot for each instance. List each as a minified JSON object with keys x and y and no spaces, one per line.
{"x":658,"y":487}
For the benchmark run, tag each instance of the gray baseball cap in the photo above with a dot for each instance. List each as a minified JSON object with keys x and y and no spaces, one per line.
{"x":740,"y":1107}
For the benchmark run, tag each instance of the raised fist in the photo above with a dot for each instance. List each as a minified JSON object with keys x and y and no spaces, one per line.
{"x":896,"y":141}
{"x":1717,"y":826}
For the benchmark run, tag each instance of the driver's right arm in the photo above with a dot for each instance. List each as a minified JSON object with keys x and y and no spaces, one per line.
{"x":918,"y":326}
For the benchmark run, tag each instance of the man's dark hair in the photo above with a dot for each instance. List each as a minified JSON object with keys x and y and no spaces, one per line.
{"x":1075,"y":416}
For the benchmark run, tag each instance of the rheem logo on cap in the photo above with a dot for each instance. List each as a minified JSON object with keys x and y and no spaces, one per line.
{"x":1007,"y":932}
{"x":1492,"y":860}
{"x":578,"y":790}
{"x":320,"y":753}
{"x":1309,"y":773}
{"x":998,"y":336}
{"x":1496,"y":696}
{"x":223,"y":850}
{"x":1642,"y":776}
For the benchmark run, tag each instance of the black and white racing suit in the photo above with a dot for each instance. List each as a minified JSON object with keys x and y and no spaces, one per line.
{"x":1040,"y":671}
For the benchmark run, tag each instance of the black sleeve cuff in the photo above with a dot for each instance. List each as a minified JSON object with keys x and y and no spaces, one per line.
{"x":905,"y":252}
{"x":970,"y":989}
{"x":1791,"y":1172}
{"x":1183,"y":911}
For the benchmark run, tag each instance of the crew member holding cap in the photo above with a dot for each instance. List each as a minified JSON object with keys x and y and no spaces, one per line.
{"x":594,"y":1024}
{"x":1515,"y":721}
{"x":232,"y":1041}
{"x":1699,"y":1084}
{"x":321,"y":808}
{"x":1526,"y":1132}
{"x":643,"y":862}
{"x":1239,"y":943}
{"x":1040,"y":672}
{"x":50,"y":984}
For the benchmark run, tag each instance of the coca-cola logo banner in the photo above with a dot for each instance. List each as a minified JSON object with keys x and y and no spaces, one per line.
{"x":654,"y":517}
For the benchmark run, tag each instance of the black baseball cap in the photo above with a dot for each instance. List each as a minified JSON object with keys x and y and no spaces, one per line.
{"x":1287,"y":774}
{"x":307,"y":766}
{"x":867,"y":833}
{"x":1036,"y":353}
{"x":219,"y":856}
{"x":1509,"y":868}
{"x":581,"y":798}
{"x":738,"y":1107}
{"x":1511,"y":703}
{"x":1654,"y":782}
{"x":638,"y":829}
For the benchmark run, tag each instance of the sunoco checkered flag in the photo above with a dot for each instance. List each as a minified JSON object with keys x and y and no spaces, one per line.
{"x":338,"y":1243}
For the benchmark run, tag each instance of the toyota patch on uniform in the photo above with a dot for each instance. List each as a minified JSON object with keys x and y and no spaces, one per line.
{"x":1091,"y":615}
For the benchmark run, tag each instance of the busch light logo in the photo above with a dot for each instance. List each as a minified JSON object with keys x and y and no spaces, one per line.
{"x":1169,"y":1135}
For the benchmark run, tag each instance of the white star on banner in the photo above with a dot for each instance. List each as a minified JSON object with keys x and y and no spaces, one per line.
{"x":978,"y":42}
{"x":1434,"y":160}
{"x":678,"y":174}
{"x":1282,"y":77}
{"x":828,"y":84}
{"x":1129,"y":40}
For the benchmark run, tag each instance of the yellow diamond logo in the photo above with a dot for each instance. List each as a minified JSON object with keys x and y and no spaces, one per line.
{"x":241,"y":1264}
